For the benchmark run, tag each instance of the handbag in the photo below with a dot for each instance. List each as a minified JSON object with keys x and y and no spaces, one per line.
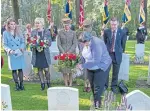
{"x":122,"y":87}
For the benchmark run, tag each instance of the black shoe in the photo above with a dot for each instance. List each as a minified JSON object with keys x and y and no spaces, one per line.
{"x":42,"y":86}
{"x":21,"y":86}
{"x":17,"y":87}
{"x":48,"y":85}
{"x":114,"y":90}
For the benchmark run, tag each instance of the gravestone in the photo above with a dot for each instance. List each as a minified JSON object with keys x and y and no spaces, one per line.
{"x":53,"y":52}
{"x":124,"y":68}
{"x":28,"y":66}
{"x":5,"y":98}
{"x":127,"y":37}
{"x":148,"y":79}
{"x":63,"y":98}
{"x":138,"y":100}
{"x":139,"y":53}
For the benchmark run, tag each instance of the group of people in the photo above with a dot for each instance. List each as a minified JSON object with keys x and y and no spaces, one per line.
{"x":96,"y":55}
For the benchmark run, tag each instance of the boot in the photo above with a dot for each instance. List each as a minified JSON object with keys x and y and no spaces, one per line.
{"x":48,"y":85}
{"x":21,"y":86}
{"x":42,"y":86}
{"x":17,"y":87}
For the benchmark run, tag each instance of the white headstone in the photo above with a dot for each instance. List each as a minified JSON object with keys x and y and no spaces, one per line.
{"x":54,"y":74}
{"x":5,"y":98}
{"x":148,"y":79}
{"x":139,"y":53}
{"x":28,"y":66}
{"x":138,"y":100}
{"x":54,"y":52}
{"x":63,"y":98}
{"x":124,"y":68}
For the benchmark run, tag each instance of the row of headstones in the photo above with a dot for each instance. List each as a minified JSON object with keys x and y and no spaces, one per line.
{"x":66,"y":98}
{"x":28,"y":71}
{"x":124,"y":68}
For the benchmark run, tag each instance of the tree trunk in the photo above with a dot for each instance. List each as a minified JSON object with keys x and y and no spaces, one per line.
{"x":148,"y":78}
{"x":16,"y":10}
{"x":77,"y":2}
{"x":145,"y":9}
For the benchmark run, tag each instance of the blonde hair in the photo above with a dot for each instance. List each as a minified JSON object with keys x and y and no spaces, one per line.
{"x":9,"y":20}
{"x":40,"y":20}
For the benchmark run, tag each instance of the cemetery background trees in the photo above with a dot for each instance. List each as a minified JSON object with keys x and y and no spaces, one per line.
{"x":30,"y":9}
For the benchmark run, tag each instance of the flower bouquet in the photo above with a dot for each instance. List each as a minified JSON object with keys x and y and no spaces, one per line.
{"x":36,"y":42}
{"x":66,"y":61}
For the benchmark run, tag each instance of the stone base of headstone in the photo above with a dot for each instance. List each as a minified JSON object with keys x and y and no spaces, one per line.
{"x":141,"y":82}
{"x":5,"y":98}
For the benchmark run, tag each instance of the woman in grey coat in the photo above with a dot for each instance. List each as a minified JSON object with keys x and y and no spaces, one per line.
{"x":67,"y":43}
{"x":41,"y":59}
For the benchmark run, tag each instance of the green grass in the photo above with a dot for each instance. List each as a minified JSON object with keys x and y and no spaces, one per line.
{"x":34,"y":99}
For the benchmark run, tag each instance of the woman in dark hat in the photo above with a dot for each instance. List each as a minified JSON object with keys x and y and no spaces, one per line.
{"x":67,"y":42}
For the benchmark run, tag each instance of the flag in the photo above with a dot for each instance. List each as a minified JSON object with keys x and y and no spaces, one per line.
{"x":127,"y":14}
{"x":105,"y":13}
{"x":68,"y":9}
{"x":142,"y":12}
{"x":81,"y":16}
{"x":49,"y":10}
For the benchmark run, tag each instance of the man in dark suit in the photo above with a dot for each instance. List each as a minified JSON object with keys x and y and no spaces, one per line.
{"x":114,"y":40}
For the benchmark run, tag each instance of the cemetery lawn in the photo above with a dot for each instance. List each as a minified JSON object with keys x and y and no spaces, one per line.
{"x":34,"y":99}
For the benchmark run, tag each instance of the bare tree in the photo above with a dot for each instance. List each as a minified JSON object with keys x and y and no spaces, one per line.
{"x":15,"y":10}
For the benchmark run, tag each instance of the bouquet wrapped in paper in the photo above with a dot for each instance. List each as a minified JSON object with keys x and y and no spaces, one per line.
{"x":68,"y":61}
{"x":36,"y":42}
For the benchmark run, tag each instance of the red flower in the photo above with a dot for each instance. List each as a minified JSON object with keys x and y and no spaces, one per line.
{"x":34,"y":41}
{"x":28,"y":40}
{"x":62,"y":57}
{"x":74,"y":57}
{"x":56,"y":57}
{"x":42,"y":44}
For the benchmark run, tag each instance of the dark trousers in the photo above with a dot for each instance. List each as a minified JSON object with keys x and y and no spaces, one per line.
{"x":97,"y":79}
{"x":115,"y":71}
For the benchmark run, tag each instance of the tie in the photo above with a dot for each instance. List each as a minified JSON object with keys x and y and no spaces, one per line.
{"x":113,"y":41}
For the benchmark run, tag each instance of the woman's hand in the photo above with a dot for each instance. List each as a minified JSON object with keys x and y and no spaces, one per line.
{"x":80,"y":66}
{"x":11,"y":52}
{"x":22,"y":50}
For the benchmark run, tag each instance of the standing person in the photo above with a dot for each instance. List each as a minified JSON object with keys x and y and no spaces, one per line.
{"x":141,"y":34}
{"x":126,"y":31}
{"x":28,"y":34}
{"x":14,"y":46}
{"x":87,"y":26}
{"x":53,"y":31}
{"x":41,"y":59}
{"x":67,"y":43}
{"x":3,"y":28}
{"x":96,"y":61}
{"x":114,"y":40}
